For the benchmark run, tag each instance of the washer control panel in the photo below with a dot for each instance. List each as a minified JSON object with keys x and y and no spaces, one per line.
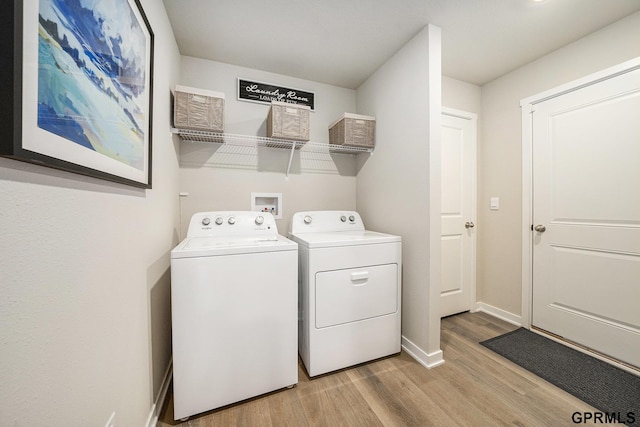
{"x":233,"y":223}
{"x":321,"y":221}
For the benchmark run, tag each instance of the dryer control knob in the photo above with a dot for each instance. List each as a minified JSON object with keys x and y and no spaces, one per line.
{"x":219,"y":220}
{"x":307,"y":219}
{"x":231,"y":220}
{"x":206,"y":221}
{"x":352,"y":218}
{"x":343,"y":218}
{"x":259,"y":220}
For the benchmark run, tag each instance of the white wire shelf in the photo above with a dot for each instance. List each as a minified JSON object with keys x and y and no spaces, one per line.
{"x":244,"y":140}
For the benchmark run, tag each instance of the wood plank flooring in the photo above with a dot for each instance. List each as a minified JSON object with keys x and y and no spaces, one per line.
{"x":474,"y":387}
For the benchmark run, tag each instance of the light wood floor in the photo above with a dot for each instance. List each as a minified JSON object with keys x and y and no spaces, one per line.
{"x":474,"y":387}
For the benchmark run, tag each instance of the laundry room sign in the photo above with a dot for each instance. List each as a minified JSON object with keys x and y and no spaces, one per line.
{"x":266,"y":92}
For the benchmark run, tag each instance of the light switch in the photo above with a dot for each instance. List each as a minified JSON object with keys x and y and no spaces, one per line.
{"x":495,"y":203}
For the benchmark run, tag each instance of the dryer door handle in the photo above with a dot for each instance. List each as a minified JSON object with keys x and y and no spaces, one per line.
{"x":360,"y":276}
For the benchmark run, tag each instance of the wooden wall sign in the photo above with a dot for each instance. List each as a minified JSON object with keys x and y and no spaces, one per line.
{"x":266,"y":92}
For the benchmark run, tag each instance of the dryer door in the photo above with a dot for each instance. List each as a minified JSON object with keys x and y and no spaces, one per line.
{"x":344,"y":296}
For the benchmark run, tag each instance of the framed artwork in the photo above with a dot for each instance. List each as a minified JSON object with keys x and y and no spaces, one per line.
{"x":77,"y":80}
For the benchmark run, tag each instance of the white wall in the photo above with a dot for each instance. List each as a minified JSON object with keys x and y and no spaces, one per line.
{"x":223,"y":177}
{"x":499,"y":272}
{"x":84,"y":280}
{"x":399,"y":186}
{"x":461,"y":95}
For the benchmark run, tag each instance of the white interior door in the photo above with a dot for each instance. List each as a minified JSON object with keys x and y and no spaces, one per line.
{"x":458,"y":211}
{"x":586,"y":210}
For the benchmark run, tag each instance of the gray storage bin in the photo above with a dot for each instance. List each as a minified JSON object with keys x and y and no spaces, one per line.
{"x":198,"y":109}
{"x":353,"y":130}
{"x":288,"y":121}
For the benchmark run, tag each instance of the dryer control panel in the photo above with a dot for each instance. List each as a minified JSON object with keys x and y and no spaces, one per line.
{"x":322,"y":221}
{"x":233,"y":224}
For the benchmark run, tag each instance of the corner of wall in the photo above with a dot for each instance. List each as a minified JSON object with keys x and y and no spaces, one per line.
{"x":404,"y":175}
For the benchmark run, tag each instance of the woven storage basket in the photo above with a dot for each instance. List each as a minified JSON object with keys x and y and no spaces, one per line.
{"x":198,"y":109}
{"x":353,"y":130}
{"x":288,"y":121}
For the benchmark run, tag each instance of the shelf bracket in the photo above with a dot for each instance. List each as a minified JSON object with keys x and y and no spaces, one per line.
{"x":293,"y":150}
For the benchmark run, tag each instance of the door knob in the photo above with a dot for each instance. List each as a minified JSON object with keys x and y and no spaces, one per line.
{"x":540,"y":228}
{"x":469,"y":224}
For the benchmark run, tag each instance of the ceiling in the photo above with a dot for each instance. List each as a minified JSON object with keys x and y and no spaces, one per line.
{"x":342,"y":42}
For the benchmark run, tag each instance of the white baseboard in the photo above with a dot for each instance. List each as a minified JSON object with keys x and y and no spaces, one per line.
{"x":154,"y":413}
{"x":428,"y":360}
{"x":514,"y":319}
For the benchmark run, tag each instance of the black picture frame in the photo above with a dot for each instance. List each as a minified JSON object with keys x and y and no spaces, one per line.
{"x":112,"y":142}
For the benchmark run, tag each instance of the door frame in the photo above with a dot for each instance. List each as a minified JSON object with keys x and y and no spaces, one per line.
{"x":527,"y":106}
{"x":474,"y":194}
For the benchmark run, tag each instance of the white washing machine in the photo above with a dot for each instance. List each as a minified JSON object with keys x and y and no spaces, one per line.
{"x":234,"y":311}
{"x":349,"y":294}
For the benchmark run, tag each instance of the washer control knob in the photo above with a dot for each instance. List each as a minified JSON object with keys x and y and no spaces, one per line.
{"x":307,"y":219}
{"x":352,"y":218}
{"x":259,"y":220}
{"x":343,"y":218}
{"x":231,"y":220}
{"x":219,"y":220}
{"x":206,"y":221}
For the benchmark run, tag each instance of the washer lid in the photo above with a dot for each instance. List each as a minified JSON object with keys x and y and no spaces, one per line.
{"x":192,"y":247}
{"x":342,"y":238}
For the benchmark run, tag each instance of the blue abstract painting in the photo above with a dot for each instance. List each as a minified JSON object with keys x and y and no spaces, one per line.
{"x":92,"y":61}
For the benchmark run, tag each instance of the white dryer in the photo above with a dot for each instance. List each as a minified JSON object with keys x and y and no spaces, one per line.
{"x":349,"y":295}
{"x":234,"y":311}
